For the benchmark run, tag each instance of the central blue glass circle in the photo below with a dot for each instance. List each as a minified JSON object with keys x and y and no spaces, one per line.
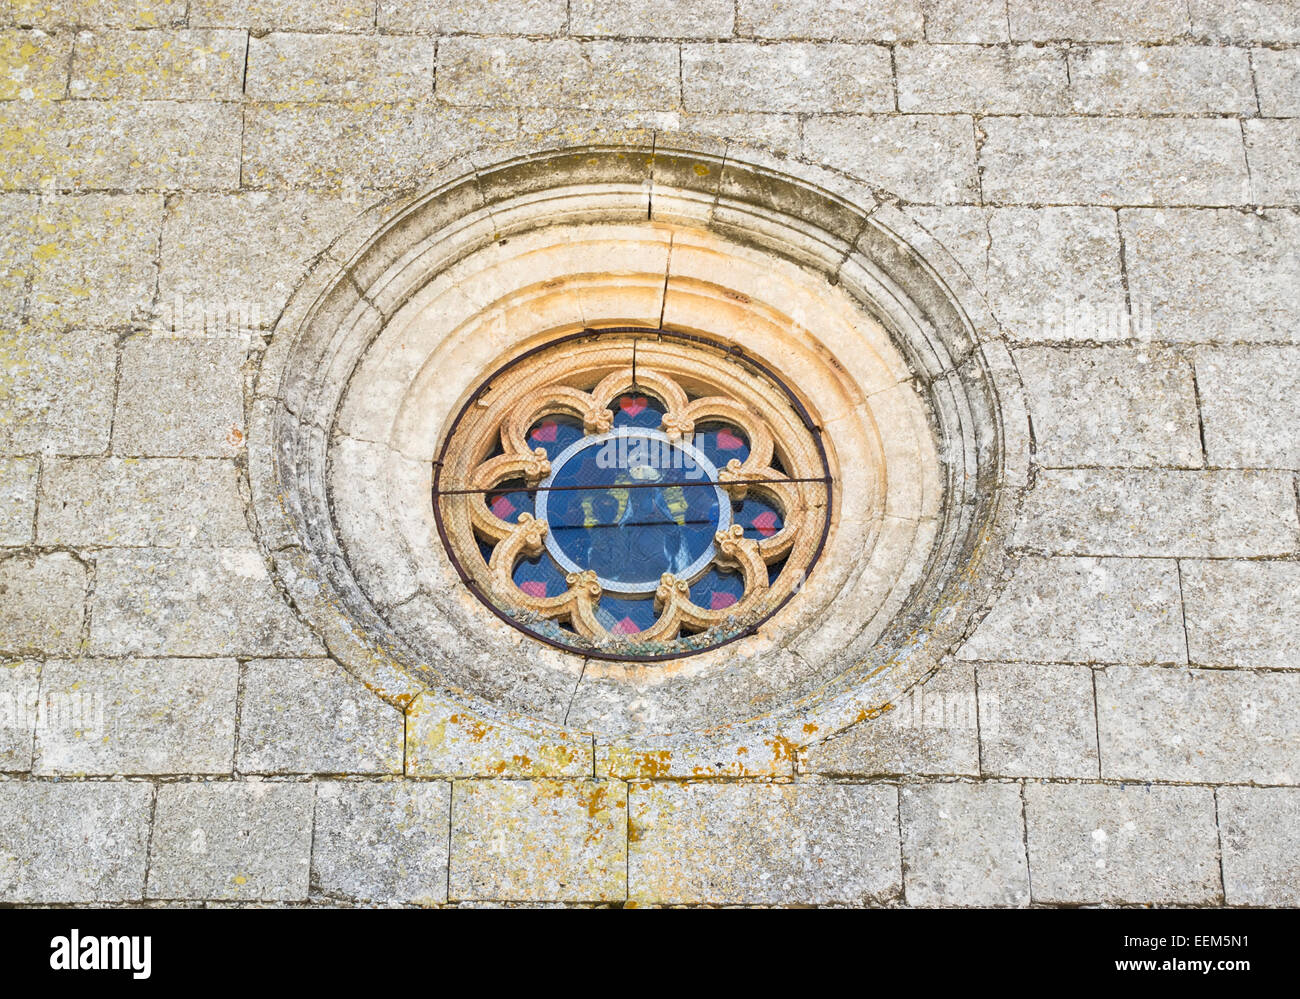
{"x":632,"y":505}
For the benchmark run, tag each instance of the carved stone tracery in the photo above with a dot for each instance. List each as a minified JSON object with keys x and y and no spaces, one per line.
{"x":696,"y":387}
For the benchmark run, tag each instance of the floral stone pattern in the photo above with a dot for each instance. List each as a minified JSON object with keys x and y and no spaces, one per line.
{"x":633,"y":494}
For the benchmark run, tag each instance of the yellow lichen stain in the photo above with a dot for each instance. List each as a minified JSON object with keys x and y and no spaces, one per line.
{"x":870,"y":714}
{"x":240,"y":879}
{"x":595,"y":801}
{"x":653,"y":764}
{"x":701,"y":170}
{"x":783,"y":750}
{"x":474,"y":728}
{"x":809,"y":728}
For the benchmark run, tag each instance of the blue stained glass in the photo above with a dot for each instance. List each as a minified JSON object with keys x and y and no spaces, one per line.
{"x":540,"y":577}
{"x":607,"y":514}
{"x":624,"y":616}
{"x":759,"y":518}
{"x":634,"y":410}
{"x":721,"y":442}
{"x":717,"y":590}
{"x":554,"y":433}
{"x":510,"y":503}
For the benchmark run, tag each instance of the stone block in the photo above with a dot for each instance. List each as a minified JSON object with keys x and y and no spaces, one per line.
{"x":1084,"y":610}
{"x":240,"y":840}
{"x":381,"y":841}
{"x":1097,"y":843}
{"x":136,"y":716}
{"x":1199,"y":725}
{"x":1037,"y":720}
{"x":73,"y":842}
{"x":192,"y":602}
{"x":42,"y":603}
{"x":539,"y":840}
{"x":774,"y":844}
{"x":310,"y":716}
{"x":963,"y":845}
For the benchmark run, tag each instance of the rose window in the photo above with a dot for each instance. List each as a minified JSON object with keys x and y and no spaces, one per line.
{"x":633,"y":494}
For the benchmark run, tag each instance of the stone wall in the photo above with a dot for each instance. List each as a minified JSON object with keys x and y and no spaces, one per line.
{"x":1117,"y":179}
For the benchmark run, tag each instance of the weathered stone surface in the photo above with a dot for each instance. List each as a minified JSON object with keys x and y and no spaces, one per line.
{"x":28,"y":158}
{"x":1091,"y":843}
{"x":1113,"y":161}
{"x":96,"y":263}
{"x":230,"y":261}
{"x":181,"y":397}
{"x":517,"y":72}
{"x":147,"y":145}
{"x":141,"y":501}
{"x":136,"y":716}
{"x":94,"y":13}
{"x":1207,"y":726}
{"x":164,"y":195}
{"x":895,"y":152}
{"x":240,"y":840}
{"x":381,"y":841}
{"x":787,"y":76}
{"x":1260,"y":831}
{"x":310,"y":716}
{"x":286,"y":66}
{"x":1272,"y":148}
{"x":662,"y":19}
{"x":1248,"y":405}
{"x":1165,"y":79}
{"x":786,"y":844}
{"x":34,"y":65}
{"x":19,"y":686}
{"x":507,"y":17}
{"x":182,"y":65}
{"x":995,"y":80}
{"x":1277,"y":80}
{"x":1160,"y":512}
{"x":1084,"y":610}
{"x":443,"y":740}
{"x":539,"y":840}
{"x":963,"y":844}
{"x":17,"y":231}
{"x":1214,"y":276}
{"x":191,"y":602}
{"x":933,"y":730}
{"x":17,"y":500}
{"x":965,"y":20}
{"x":58,"y":390}
{"x":1246,"y":20}
{"x":360,"y":146}
{"x":73,"y":842}
{"x":548,"y":128}
{"x":1037,"y":720}
{"x":840,"y":20}
{"x":1242,"y":613}
{"x":1099,"y":21}
{"x":1111,"y":406}
{"x":1047,"y":273}
{"x":42,"y":602}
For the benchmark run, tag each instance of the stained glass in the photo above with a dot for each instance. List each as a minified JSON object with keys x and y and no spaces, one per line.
{"x":633,"y":511}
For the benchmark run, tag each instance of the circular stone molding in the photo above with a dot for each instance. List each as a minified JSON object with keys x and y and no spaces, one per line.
{"x":468,"y":345}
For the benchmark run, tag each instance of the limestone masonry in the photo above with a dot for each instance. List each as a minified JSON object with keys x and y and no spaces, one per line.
{"x":1110,"y":189}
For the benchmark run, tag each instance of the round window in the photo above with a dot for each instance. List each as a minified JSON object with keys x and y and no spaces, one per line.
{"x":633,"y":494}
